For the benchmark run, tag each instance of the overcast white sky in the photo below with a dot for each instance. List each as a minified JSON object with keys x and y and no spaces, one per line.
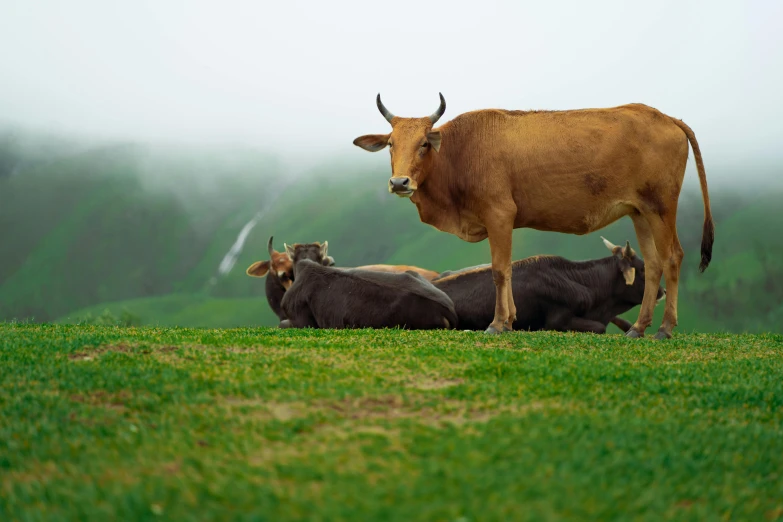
{"x":301,"y":77}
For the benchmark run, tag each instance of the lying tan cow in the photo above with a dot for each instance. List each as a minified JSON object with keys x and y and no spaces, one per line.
{"x":488,"y":172}
{"x":429,"y":275}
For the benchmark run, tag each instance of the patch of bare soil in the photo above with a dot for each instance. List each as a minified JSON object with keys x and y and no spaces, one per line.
{"x":115,"y":401}
{"x":435,"y":384}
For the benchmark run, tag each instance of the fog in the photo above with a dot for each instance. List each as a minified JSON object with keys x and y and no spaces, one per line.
{"x":300,"y":78}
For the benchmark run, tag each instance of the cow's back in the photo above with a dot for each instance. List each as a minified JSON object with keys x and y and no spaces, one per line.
{"x":536,"y":291}
{"x":567,"y":171}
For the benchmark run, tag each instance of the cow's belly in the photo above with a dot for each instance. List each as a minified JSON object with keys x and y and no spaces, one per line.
{"x":577,"y":218}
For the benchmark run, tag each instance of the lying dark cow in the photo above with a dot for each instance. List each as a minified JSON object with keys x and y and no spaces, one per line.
{"x":553,"y":293}
{"x":280,"y":269}
{"x":327,"y":297}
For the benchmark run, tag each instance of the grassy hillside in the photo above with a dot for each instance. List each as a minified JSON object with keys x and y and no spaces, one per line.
{"x":364,"y":224}
{"x":119,"y":227}
{"x":118,"y":223}
{"x":138,"y":423}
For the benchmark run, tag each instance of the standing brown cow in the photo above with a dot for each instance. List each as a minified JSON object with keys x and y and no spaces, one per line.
{"x":487,"y":172}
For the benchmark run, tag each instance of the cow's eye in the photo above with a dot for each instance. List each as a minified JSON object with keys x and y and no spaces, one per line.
{"x":391,"y":144}
{"x":425,"y":145}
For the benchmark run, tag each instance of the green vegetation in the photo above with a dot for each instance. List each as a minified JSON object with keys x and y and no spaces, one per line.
{"x":143,"y":230}
{"x":108,"y":423}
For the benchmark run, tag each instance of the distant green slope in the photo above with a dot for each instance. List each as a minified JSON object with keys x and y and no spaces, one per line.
{"x":124,"y":226}
{"x":185,"y":310}
{"x":118,"y":223}
{"x":364,"y":224}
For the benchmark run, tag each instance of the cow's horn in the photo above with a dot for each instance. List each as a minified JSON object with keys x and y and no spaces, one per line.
{"x":269,"y":246}
{"x":437,"y":114}
{"x":381,"y":107}
{"x":628,"y":251}
{"x":611,"y":246}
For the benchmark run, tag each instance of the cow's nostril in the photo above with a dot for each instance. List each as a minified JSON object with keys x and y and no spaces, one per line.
{"x":405,"y":182}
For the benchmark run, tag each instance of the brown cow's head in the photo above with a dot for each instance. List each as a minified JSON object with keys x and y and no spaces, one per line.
{"x":632,"y":268}
{"x":412,"y":144}
{"x":281,"y":264}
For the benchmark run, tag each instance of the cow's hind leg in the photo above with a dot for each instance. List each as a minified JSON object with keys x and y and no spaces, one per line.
{"x":500,"y":233}
{"x":671,"y":273}
{"x":653,"y":272}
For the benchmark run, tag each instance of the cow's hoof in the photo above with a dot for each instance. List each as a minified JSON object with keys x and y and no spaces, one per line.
{"x":662,"y":334}
{"x":633,"y":334}
{"x":285,"y":323}
{"x":492,"y":330}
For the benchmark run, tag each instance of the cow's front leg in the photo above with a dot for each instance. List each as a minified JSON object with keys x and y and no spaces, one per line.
{"x":499,"y":232}
{"x":579,"y":324}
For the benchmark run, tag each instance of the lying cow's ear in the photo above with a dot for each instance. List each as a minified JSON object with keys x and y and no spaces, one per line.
{"x":629,"y":273}
{"x":372,"y":142}
{"x":258,"y":269}
{"x":289,"y":250}
{"x":324,"y":249}
{"x":434,"y":138}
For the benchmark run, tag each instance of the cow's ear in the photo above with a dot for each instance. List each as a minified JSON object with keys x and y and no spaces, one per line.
{"x":258,"y":269}
{"x":629,"y":272}
{"x":434,"y":138}
{"x":324,"y":249}
{"x":372,"y":142}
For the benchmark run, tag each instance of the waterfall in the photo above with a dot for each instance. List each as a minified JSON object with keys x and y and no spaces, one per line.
{"x":230,"y":259}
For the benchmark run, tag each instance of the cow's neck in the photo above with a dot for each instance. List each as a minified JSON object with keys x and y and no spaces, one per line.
{"x":440,"y":207}
{"x":601,"y":278}
{"x":598,"y":275}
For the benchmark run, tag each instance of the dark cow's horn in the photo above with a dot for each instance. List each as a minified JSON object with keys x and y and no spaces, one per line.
{"x":437,"y":114}
{"x":269,"y":246}
{"x":381,"y":107}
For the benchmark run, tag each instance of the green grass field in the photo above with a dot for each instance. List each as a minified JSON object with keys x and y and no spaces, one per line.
{"x":108,"y":423}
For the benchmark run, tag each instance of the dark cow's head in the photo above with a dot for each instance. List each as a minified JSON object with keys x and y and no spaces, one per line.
{"x":412,"y":144}
{"x":631,"y":267}
{"x":281,"y":264}
{"x":312,"y":251}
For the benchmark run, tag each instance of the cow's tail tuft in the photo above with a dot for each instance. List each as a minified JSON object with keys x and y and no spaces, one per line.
{"x":708,"y":230}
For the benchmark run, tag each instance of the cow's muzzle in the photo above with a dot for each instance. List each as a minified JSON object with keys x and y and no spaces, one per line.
{"x":400,"y":186}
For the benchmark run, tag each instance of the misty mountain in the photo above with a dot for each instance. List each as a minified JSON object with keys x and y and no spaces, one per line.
{"x":142,"y":228}
{"x":119,"y":222}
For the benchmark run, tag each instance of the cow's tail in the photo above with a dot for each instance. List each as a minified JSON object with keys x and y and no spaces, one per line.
{"x":450,"y":319}
{"x":708,"y":232}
